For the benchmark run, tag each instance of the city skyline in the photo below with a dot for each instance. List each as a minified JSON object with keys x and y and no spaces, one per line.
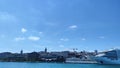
{"x":59,"y":25}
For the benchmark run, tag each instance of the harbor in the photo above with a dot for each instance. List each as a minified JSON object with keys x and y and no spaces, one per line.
{"x":83,"y":57}
{"x":59,"y":33}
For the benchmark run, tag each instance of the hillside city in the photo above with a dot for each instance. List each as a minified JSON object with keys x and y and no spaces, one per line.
{"x":45,"y":56}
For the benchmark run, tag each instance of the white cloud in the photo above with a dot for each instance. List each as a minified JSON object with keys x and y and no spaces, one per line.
{"x":40,"y":32}
{"x":101,"y":37}
{"x":34,"y":38}
{"x":23,"y":30}
{"x":83,"y":39}
{"x":64,"y":39}
{"x":61,"y":45}
{"x":73,"y":26}
{"x":19,"y":38}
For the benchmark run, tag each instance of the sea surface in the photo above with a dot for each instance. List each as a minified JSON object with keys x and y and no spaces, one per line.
{"x":52,"y":65}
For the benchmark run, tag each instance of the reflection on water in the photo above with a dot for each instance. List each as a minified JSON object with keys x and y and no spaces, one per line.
{"x":52,"y":65}
{"x":108,"y":66}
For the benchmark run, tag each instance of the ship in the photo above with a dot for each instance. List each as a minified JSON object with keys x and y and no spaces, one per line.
{"x":80,"y":61}
{"x":111,"y":56}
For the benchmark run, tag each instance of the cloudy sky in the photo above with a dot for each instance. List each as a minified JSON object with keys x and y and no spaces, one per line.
{"x":59,"y":25}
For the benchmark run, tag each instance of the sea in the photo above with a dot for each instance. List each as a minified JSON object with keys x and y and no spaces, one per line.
{"x":52,"y":65}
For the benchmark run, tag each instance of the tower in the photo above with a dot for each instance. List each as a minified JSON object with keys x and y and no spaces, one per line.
{"x":21,"y":52}
{"x":45,"y":50}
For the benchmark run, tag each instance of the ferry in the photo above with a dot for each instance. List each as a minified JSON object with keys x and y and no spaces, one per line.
{"x":108,"y":57}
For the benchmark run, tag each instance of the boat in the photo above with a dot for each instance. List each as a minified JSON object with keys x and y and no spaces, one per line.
{"x":111,"y":56}
{"x":79,"y":60}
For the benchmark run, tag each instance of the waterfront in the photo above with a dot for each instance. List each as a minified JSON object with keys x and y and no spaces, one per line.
{"x":52,"y":65}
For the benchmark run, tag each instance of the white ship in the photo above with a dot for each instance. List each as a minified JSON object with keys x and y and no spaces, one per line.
{"x":108,"y":57}
{"x":78,"y":60}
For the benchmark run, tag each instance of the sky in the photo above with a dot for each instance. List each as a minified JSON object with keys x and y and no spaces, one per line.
{"x":59,"y":25}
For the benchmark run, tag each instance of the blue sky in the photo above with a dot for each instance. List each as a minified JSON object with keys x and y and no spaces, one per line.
{"x":59,"y":25}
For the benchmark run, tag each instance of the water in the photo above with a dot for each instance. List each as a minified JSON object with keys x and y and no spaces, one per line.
{"x":53,"y":65}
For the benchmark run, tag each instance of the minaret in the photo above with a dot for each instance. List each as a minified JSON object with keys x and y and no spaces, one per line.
{"x":21,"y":52}
{"x":45,"y":50}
